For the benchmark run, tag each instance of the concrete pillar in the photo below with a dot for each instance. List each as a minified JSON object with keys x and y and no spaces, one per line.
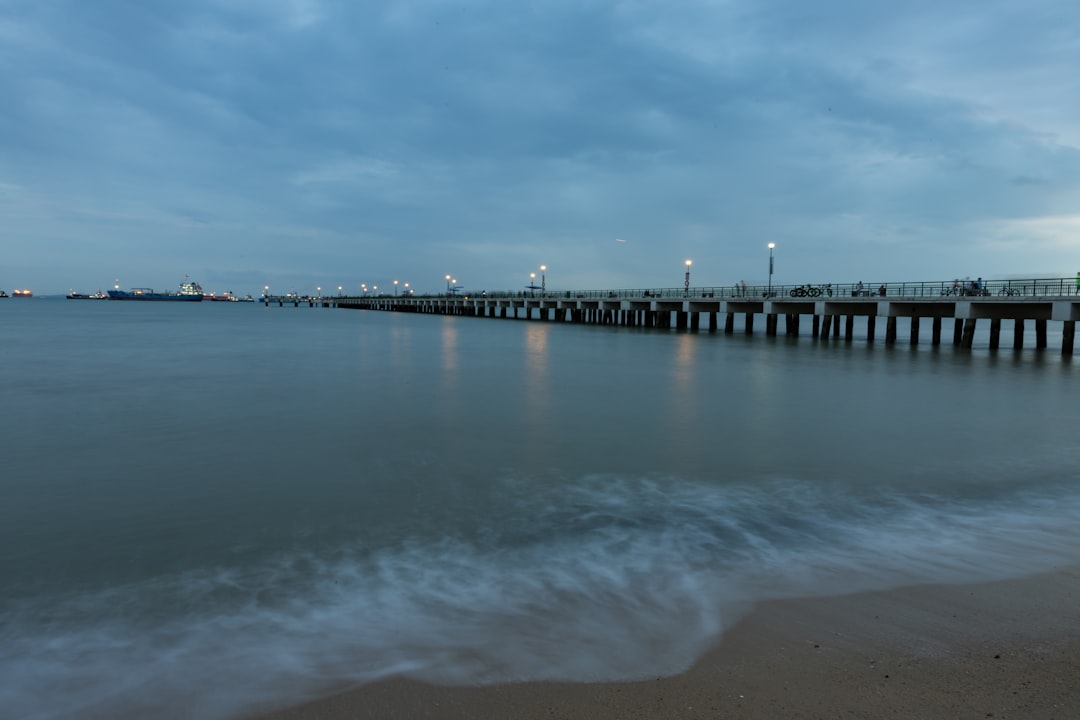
{"x":712,"y":322}
{"x":770,"y":324}
{"x":695,"y":321}
{"x":995,"y":333}
{"x":871,"y":326}
{"x":1018,"y":334}
{"x":729,"y":323}
{"x":680,"y":320}
{"x":749,"y":323}
{"x":935,"y":332}
{"x":958,"y":331}
{"x":849,"y":327}
{"x":1040,"y":334}
{"x":1068,"y":336}
{"x":915,"y":330}
{"x":816,"y":329}
{"x":826,"y":327}
{"x":836,"y":326}
{"x":890,"y":331}
{"x":969,"y":333}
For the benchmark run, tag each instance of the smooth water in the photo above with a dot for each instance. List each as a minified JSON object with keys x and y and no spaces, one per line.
{"x":215,"y":509}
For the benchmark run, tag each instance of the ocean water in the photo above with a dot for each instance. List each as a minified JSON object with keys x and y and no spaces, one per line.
{"x":217,"y":509}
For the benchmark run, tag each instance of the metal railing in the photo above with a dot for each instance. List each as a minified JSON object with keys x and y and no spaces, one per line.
{"x":1035,"y":287}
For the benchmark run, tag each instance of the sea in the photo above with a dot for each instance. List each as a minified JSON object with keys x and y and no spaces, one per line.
{"x":213,"y":510}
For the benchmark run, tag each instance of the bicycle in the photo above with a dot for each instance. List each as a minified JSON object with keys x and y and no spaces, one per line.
{"x":1009,"y":291}
{"x":811,"y":291}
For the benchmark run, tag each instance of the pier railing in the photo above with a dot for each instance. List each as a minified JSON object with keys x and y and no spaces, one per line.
{"x":1033,"y":287}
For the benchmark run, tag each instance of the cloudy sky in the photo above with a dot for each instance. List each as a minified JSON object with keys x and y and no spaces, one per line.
{"x":308,"y":143}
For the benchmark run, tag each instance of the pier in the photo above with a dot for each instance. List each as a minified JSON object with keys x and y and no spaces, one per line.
{"x":830,"y":310}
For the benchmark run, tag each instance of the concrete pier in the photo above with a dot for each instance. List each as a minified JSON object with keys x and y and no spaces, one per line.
{"x":827,"y":315}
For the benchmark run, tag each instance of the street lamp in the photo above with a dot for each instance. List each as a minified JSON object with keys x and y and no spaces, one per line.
{"x":395,"y":288}
{"x":686,"y":284}
{"x":543,"y":280}
{"x":318,"y":291}
{"x":407,"y":290}
{"x":339,"y":290}
{"x":447,"y":286}
{"x":771,"y":246}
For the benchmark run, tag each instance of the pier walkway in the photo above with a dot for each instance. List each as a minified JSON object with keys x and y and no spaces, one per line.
{"x":831,"y":310}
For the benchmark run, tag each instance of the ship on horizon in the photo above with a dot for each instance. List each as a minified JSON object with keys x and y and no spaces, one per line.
{"x":189,"y":292}
{"x":99,"y":295}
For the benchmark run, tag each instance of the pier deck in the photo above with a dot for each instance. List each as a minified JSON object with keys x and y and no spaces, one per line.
{"x":830,"y":317}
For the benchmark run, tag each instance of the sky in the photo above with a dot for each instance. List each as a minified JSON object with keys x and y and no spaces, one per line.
{"x":304,"y":144}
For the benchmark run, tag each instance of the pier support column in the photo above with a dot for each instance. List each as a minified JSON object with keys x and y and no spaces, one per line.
{"x":729,"y":323}
{"x":770,"y":324}
{"x":849,"y":327}
{"x":836,"y":326}
{"x":1018,"y":334}
{"x":826,"y":327}
{"x":749,"y":323}
{"x":712,"y":322}
{"x":1040,"y":334}
{"x":890,"y":331}
{"x":791,"y":324}
{"x":915,"y":330}
{"x":935,"y":332}
{"x":695,"y":321}
{"x":969,"y":333}
{"x":871,"y":326}
{"x":958,"y":331}
{"x":995,"y":333}
{"x":815,"y":330}
{"x":1068,"y":337}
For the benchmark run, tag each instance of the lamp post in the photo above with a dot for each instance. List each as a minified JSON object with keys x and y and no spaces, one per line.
{"x":318,"y":291}
{"x":543,"y":280}
{"x":447,"y":286}
{"x":339,"y":290}
{"x":532,"y":281}
{"x":395,"y":288}
{"x":686,"y":283}
{"x":407,"y":290}
{"x":771,"y":246}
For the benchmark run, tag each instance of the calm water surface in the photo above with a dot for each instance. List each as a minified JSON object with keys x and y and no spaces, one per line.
{"x":220,"y":508}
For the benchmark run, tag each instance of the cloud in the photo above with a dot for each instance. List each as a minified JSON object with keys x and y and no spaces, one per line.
{"x":392,"y":138}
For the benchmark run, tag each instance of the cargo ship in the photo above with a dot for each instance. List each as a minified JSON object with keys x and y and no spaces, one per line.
{"x":189,"y":292}
{"x":21,"y":293}
{"x":83,"y":296}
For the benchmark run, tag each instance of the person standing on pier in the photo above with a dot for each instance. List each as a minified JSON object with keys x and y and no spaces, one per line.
{"x":1078,"y":283}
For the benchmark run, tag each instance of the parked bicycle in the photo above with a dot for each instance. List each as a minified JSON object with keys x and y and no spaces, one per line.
{"x":811,"y":290}
{"x":1010,"y":291}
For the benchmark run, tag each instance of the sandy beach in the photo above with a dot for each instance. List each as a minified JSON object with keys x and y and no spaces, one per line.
{"x":1006,"y":649}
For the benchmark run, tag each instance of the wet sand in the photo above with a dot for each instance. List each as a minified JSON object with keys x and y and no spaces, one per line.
{"x":994,"y":650}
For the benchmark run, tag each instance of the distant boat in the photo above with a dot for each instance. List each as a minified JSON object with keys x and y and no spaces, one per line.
{"x":226,"y":296}
{"x":22,"y":293}
{"x":83,"y":296}
{"x":3,"y":294}
{"x":189,"y":292}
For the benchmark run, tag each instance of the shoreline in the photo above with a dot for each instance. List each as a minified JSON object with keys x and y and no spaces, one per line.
{"x":1003,"y":649}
